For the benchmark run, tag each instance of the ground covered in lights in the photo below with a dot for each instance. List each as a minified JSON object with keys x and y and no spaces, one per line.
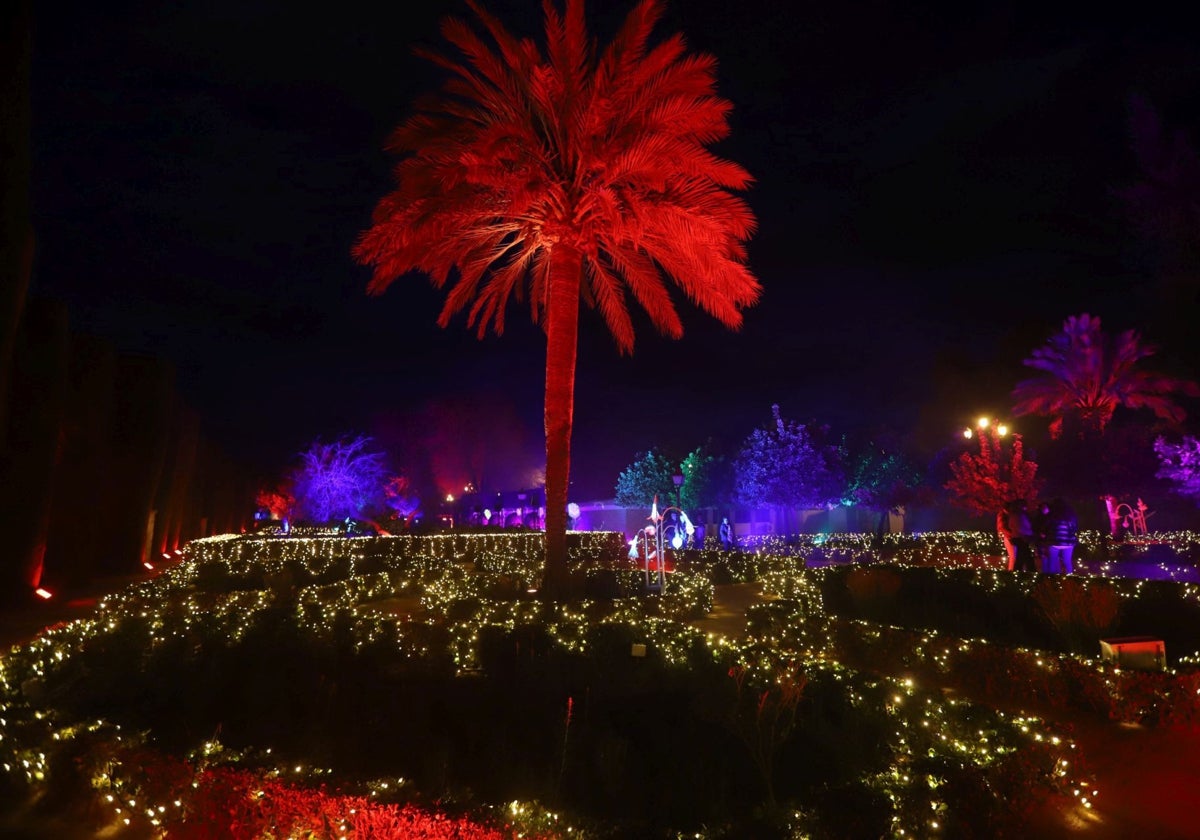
{"x":394,"y":687}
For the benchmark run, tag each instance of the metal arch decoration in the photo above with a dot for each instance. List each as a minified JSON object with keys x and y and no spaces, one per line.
{"x":1131,"y":518}
{"x":661,"y":534}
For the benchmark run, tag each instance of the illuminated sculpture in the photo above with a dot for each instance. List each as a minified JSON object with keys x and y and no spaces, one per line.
{"x":1122,"y":516}
{"x":656,"y":538}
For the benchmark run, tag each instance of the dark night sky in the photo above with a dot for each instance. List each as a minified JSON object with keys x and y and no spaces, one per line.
{"x":935,"y":195}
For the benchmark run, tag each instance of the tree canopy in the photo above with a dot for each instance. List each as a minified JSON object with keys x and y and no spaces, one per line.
{"x":565,"y":174}
{"x":785,"y":465}
{"x":985,"y":481}
{"x":339,"y":479}
{"x":649,"y":476}
{"x":1180,"y":465}
{"x":1088,"y":374}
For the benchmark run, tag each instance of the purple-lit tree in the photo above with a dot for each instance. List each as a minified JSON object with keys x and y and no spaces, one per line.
{"x":339,"y":479}
{"x":1180,"y":465}
{"x":1088,"y":374}
{"x":785,"y":466}
{"x":564,"y":175}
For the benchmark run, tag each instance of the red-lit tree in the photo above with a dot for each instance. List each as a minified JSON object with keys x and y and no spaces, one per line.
{"x":565,"y":174}
{"x":278,"y":502}
{"x":1087,"y":375}
{"x":399,"y":498}
{"x":984,"y":481}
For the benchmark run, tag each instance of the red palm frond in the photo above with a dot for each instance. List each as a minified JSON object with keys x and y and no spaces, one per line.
{"x":567,"y":174}
{"x":1090,"y":375}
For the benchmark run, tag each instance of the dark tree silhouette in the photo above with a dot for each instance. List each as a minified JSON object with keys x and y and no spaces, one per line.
{"x":1088,"y":374}
{"x":561,"y":175}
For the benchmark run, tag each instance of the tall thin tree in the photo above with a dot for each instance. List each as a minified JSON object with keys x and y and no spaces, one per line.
{"x":561,"y":174}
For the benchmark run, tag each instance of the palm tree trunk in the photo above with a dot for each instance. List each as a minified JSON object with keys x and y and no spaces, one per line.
{"x":562,"y":333}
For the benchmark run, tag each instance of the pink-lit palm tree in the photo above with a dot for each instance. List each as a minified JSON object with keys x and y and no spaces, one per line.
{"x":1088,"y":374}
{"x":563,"y":174}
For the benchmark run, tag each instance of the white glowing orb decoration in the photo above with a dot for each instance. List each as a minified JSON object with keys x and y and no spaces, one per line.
{"x":573,"y":510}
{"x":677,"y":541}
{"x":487,"y":514}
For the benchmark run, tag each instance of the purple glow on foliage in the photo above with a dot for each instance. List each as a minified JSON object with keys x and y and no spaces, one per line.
{"x":339,"y":479}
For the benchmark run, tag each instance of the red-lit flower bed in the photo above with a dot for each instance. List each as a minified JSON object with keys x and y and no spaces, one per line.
{"x":237,"y":804}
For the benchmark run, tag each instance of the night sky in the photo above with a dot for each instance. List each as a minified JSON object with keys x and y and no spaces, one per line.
{"x":935,"y":194}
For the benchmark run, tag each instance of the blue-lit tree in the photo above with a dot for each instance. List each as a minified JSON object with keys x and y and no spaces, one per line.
{"x":339,"y":479}
{"x":785,"y":466}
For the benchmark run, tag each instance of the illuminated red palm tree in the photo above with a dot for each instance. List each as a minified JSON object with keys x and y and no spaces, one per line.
{"x":561,"y":176}
{"x":1089,"y":374}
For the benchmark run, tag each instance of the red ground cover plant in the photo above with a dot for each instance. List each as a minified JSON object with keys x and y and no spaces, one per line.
{"x":236,"y":804}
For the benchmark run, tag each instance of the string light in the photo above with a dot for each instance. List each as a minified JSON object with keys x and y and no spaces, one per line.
{"x":223,"y":583}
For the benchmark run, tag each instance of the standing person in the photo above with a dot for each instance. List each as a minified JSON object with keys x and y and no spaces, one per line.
{"x":1020,"y":531}
{"x":1006,"y":536}
{"x":1062,"y":535}
{"x":1041,"y":535}
{"x":726,"y":534}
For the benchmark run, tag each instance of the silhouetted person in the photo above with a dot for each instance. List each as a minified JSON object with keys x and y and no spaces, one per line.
{"x":1061,"y":536}
{"x":1020,"y":531}
{"x":1041,"y":534}
{"x":726,"y":534}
